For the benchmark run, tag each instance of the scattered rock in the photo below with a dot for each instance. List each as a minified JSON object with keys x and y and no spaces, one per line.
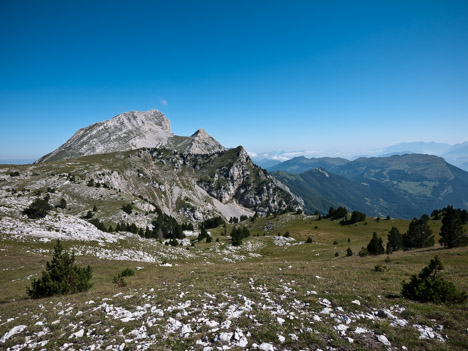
{"x":13,"y":331}
{"x":383,"y":339}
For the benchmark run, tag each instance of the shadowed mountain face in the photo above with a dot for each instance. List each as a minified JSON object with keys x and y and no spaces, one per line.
{"x":301,"y":164}
{"x":400,"y":186}
{"x":129,"y":131}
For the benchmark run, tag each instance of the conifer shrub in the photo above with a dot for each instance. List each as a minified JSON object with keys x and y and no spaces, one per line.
{"x":127,"y":272}
{"x":428,"y":286}
{"x":88,"y":215}
{"x":127,"y":208}
{"x":452,"y":232}
{"x":61,"y":276}
{"x":119,"y":278}
{"x":363,"y":252}
{"x":375,"y":246}
{"x":39,"y":208}
{"x":419,"y":234}
{"x":394,"y":242}
{"x":379,"y":268}
{"x":309,"y":240}
{"x":237,"y":234}
{"x":349,"y":252}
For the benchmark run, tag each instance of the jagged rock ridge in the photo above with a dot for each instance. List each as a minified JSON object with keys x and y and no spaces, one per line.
{"x":129,"y":131}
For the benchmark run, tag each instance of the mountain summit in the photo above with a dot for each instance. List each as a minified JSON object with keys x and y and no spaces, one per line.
{"x":129,"y":131}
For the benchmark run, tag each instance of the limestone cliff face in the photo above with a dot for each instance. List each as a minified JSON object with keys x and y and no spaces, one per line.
{"x":130,"y":131}
{"x":238,"y":179}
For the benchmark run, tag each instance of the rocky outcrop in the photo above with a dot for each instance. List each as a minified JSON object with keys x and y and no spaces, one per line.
{"x":252,"y":187}
{"x":199,"y":143}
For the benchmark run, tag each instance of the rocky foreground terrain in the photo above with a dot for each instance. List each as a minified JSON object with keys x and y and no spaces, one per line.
{"x":274,"y":292}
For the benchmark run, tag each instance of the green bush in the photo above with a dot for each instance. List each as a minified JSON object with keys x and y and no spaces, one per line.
{"x":127,"y":208}
{"x":309,"y":240}
{"x":349,"y":252}
{"x":237,"y":234}
{"x":119,"y":281}
{"x":363,"y":252}
{"x":127,"y":272}
{"x":380,"y":268}
{"x":427,"y":286}
{"x":39,"y":208}
{"x":61,"y":276}
{"x":119,"y":278}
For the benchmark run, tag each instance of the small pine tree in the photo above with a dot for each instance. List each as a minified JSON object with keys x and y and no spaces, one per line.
{"x":309,"y":240}
{"x":203,"y":234}
{"x":209,"y":239}
{"x":61,"y":276}
{"x":375,"y":246}
{"x":349,"y":252}
{"x":427,"y":286}
{"x":419,"y":234}
{"x":389,"y":249}
{"x":394,"y":239}
{"x":452,"y":233}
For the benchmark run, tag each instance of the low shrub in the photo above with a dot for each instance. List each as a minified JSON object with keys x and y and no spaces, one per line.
{"x":39,"y":208}
{"x":427,"y":286}
{"x":119,"y":278}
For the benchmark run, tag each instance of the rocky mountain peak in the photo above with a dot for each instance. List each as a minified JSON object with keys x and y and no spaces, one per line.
{"x":201,"y":133}
{"x":129,"y":131}
{"x":200,"y":143}
{"x":142,"y":119}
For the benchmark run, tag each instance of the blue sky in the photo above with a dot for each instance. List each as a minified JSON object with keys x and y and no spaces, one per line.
{"x":323,"y":77}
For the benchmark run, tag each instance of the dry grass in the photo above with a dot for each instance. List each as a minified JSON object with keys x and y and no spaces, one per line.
{"x":287,"y":276}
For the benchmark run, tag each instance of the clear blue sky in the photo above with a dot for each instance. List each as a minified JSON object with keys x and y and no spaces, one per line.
{"x":319,"y":76}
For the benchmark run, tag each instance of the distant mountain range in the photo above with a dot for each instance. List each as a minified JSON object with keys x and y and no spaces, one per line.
{"x":456,"y":155}
{"x":400,"y":186}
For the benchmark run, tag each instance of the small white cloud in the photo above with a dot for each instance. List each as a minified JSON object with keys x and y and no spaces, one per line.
{"x":293,"y":154}
{"x":163,"y":102}
{"x":252,"y":154}
{"x":280,"y":158}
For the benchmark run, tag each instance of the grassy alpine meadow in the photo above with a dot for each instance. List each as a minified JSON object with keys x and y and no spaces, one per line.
{"x":274,"y":292}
